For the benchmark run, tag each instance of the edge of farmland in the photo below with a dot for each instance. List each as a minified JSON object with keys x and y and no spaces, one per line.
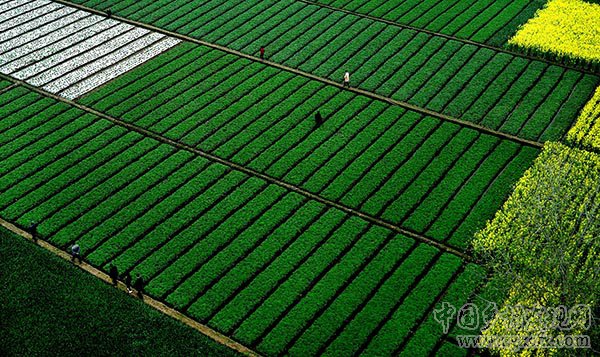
{"x":205,"y":330}
{"x":449,"y":37}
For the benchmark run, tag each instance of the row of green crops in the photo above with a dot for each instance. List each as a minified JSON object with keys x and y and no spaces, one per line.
{"x":543,"y":244}
{"x":262,"y":264}
{"x":482,"y":21}
{"x":429,"y":176}
{"x":515,"y":95}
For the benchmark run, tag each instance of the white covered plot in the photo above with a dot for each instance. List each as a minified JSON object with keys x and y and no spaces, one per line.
{"x":67,"y":51}
{"x":21,"y":15}
{"x":73,"y":57}
{"x":38,"y":28}
{"x":6,"y":5}
{"x":48,"y":45}
{"x":128,"y":64}
{"x":65,"y":81}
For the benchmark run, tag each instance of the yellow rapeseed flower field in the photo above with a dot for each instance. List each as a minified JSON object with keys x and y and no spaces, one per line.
{"x":567,"y":28}
{"x":544,"y":244}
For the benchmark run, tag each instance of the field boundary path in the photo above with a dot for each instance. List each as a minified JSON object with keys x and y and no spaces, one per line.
{"x":450,"y":37}
{"x":205,"y":330}
{"x":315,"y":77}
{"x":251,"y":172}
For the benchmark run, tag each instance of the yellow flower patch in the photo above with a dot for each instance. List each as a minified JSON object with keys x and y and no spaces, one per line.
{"x":567,"y":28}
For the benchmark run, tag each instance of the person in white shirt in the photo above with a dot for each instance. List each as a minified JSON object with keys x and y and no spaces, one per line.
{"x":347,"y":79}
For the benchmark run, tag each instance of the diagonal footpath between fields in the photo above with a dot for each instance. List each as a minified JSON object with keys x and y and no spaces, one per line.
{"x":163,"y":308}
{"x":251,"y":172}
{"x":363,"y":92}
{"x":12,"y":86}
{"x":451,"y":37}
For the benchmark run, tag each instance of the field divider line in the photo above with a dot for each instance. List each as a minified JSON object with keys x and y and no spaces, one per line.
{"x":475,"y":294}
{"x":448,"y":37}
{"x":10,"y":87}
{"x":315,"y":77}
{"x":205,"y":330}
{"x":254,"y":173}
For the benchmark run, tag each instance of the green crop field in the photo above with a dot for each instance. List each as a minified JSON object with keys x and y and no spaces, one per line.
{"x":233,"y":251}
{"x":512,"y":94}
{"x":202,"y":167}
{"x":420,"y":172}
{"x":482,"y":21}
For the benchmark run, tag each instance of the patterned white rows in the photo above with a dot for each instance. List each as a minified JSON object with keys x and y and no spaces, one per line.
{"x":6,"y":5}
{"x":128,"y":64}
{"x":65,"y":61}
{"x":45,"y":46}
{"x":28,"y":12}
{"x":67,"y":51}
{"x":38,"y":28}
{"x":86,"y":71}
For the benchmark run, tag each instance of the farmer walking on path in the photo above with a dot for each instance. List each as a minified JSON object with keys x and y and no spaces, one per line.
{"x":139,"y":285}
{"x":128,"y":282}
{"x":75,"y":253}
{"x":114,"y":274}
{"x":318,"y":119}
{"x":347,"y":79}
{"x":262,"y":53}
{"x":33,"y":231}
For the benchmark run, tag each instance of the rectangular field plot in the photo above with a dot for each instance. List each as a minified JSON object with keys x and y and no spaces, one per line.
{"x":530,"y":99}
{"x":70,"y":52}
{"x":424,"y":174}
{"x":262,"y":264}
{"x":489,"y":21}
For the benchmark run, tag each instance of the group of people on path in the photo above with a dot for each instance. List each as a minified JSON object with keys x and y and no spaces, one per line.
{"x":113,"y":272}
{"x":138,"y":285}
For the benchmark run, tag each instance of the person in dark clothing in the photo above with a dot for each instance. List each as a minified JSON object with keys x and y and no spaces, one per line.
{"x":33,"y":231}
{"x":128,"y":282}
{"x":75,"y":253}
{"x":114,"y":274}
{"x":139,"y":285}
{"x":262,"y":53}
{"x":318,"y":119}
{"x":108,"y":13}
